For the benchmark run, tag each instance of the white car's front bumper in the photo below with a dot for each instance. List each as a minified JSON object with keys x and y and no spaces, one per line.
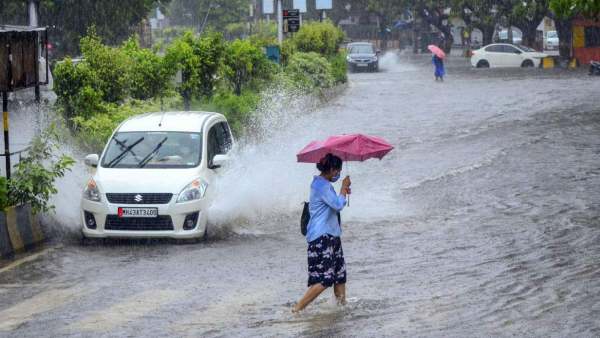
{"x":176,"y":211}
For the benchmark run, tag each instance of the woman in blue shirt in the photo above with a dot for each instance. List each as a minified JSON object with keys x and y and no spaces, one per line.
{"x":326,"y":266}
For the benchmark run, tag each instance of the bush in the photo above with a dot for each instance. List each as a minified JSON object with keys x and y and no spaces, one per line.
{"x":237,"y":108}
{"x":198,"y":59}
{"x":34,"y":177}
{"x":339,"y":68}
{"x":107,"y":66}
{"x":319,"y":37}
{"x":310,"y":71}
{"x":3,"y":193}
{"x":242,"y":63}
{"x":149,"y":75}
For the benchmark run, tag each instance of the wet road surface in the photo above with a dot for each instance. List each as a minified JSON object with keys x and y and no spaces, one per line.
{"x":485,"y":220}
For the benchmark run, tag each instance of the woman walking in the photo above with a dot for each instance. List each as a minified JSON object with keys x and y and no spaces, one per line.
{"x":439,"y":67}
{"x":326,"y":266}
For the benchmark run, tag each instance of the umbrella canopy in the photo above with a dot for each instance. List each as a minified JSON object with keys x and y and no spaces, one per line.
{"x":354,"y":147}
{"x":437,"y":51}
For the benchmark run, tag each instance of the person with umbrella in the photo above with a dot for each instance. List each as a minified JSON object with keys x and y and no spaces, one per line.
{"x":326,"y":265}
{"x":438,"y":62}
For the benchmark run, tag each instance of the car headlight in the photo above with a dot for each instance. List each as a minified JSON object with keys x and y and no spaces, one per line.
{"x":348,"y":58}
{"x":91,"y":191}
{"x":193,"y":191}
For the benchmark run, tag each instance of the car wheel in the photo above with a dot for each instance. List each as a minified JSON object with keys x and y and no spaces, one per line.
{"x":527,"y":63}
{"x":483,"y":64}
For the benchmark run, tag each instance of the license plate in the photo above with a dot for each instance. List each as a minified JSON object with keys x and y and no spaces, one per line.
{"x":138,"y":212}
{"x":362,"y":64}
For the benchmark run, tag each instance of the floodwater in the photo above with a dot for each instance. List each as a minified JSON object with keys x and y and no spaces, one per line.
{"x":484,"y":221}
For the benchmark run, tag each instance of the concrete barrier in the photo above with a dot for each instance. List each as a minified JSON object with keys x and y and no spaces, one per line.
{"x":548,"y":62}
{"x":19,"y":230}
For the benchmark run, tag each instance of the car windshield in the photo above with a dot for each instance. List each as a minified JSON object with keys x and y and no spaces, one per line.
{"x":526,"y":49}
{"x":153,"y":150}
{"x":552,"y":34}
{"x":362,"y":49}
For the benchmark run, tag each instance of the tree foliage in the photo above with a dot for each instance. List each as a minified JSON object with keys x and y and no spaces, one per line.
{"x":34,"y":177}
{"x":242,"y":62}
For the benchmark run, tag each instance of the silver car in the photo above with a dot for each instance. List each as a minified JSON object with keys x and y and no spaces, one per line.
{"x":362,"y":56}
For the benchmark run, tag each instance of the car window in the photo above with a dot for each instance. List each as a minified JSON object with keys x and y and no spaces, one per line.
{"x":361,"y":49}
{"x":510,"y":49}
{"x":526,"y":49}
{"x":153,"y":150}
{"x":223,"y":137}
{"x":552,"y":34}
{"x":219,"y":141}
{"x":494,"y":49}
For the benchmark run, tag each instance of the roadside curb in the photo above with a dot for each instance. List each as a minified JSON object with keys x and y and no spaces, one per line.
{"x":556,"y":62}
{"x":20,"y":230}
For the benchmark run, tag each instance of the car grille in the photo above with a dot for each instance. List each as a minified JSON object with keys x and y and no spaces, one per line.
{"x":160,"y":223}
{"x":139,"y":198}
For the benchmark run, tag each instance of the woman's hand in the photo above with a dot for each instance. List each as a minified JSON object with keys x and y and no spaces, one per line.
{"x":346,"y":183}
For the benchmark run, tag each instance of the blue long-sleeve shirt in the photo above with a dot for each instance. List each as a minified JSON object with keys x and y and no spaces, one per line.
{"x":324,"y":206}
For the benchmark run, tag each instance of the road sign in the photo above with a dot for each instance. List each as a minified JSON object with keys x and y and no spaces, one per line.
{"x":301,"y":5}
{"x":323,"y":4}
{"x":291,"y":20}
{"x":268,"y":7}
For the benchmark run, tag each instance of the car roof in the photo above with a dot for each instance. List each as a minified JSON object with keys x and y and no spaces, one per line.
{"x":360,"y":43}
{"x":181,"y":121}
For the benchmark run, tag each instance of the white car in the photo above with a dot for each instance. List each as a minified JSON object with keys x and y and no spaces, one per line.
{"x":506,"y":55}
{"x":154,"y":176}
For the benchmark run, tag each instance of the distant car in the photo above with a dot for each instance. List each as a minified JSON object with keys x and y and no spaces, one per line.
{"x":551,"y":41}
{"x":362,"y":56}
{"x":155,"y":176}
{"x":517,"y":37}
{"x":506,"y":55}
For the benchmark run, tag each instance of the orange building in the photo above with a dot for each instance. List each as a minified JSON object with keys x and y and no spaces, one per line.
{"x":586,"y":40}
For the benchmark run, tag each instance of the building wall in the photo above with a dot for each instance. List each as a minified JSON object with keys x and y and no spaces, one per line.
{"x":585,"y":50}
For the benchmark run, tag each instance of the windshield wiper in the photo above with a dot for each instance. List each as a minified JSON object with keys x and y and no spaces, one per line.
{"x":124,"y":146}
{"x":149,"y":157}
{"x":121,"y":156}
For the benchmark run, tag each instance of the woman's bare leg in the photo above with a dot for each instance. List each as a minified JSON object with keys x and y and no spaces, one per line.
{"x":340,"y":293}
{"x":313,"y":292}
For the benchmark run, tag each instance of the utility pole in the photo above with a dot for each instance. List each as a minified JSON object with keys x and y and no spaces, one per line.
{"x":279,"y":22}
{"x":34,"y":22}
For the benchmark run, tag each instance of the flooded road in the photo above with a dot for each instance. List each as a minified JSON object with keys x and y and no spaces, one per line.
{"x":484,"y":221}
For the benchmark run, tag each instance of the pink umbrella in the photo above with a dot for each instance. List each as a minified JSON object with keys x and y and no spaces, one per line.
{"x":354,"y":147}
{"x":437,"y":51}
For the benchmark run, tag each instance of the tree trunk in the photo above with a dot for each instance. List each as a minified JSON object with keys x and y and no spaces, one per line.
{"x":529,"y":34}
{"x":488,"y":34}
{"x":564,"y":28}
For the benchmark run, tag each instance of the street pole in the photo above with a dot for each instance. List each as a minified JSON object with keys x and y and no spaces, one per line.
{"x":34,"y":22}
{"x":279,"y":22}
{"x":6,"y":141}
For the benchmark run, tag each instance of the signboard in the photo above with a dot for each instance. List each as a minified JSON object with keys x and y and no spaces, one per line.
{"x":291,"y":20}
{"x":324,"y":4}
{"x":268,"y":6}
{"x":300,"y":5}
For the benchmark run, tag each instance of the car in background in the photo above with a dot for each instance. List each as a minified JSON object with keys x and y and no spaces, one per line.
{"x":551,"y":41}
{"x":155,"y":176}
{"x":503,"y":37}
{"x":362,"y":56}
{"x":499,"y":55}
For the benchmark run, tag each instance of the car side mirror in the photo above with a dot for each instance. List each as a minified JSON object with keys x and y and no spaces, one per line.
{"x":92,"y":160}
{"x":378,"y":51}
{"x":518,"y":52}
{"x":219,"y":161}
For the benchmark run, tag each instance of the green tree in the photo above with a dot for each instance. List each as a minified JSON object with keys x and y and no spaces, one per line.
{"x":527,"y":15}
{"x":70,"y":19}
{"x":243,"y":62}
{"x":208,"y":13}
{"x":198,"y":59}
{"x":149,"y":74}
